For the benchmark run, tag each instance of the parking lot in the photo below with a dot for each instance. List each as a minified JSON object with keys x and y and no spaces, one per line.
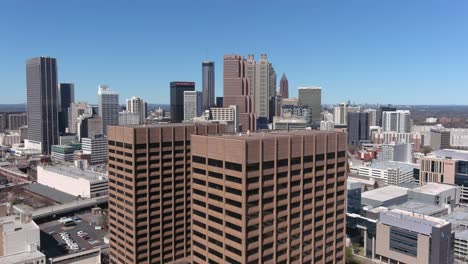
{"x":54,"y":245}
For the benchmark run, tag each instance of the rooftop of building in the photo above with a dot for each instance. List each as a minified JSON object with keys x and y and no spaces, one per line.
{"x":383,"y":165}
{"x":434,"y":188}
{"x":76,"y":173}
{"x":415,"y":217}
{"x":50,"y":193}
{"x":452,"y":154}
{"x":459,"y":217}
{"x":13,"y":223}
{"x":273,"y":134}
{"x":310,"y":88}
{"x":420,"y":208}
{"x":22,"y":257}
{"x":461,"y":232}
{"x":385,"y":193}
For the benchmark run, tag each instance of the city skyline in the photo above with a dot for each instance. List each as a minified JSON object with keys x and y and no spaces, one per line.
{"x":350,"y":58}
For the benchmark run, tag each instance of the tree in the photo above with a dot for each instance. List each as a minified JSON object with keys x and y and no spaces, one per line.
{"x":426,"y":150}
{"x":376,"y":185}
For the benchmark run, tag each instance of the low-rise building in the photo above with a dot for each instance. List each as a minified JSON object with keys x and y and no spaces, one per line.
{"x":402,"y":152}
{"x":394,"y":173}
{"x":74,"y":181}
{"x":289,"y":123}
{"x":436,"y":194}
{"x":64,"y":153}
{"x":385,"y":196}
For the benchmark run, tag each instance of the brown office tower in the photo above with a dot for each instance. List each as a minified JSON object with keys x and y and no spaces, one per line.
{"x":237,"y":91}
{"x":269,"y":198}
{"x":149,"y":191}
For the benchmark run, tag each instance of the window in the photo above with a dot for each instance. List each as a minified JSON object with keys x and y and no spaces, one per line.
{"x":233,"y":166}
{"x":215,"y":163}
{"x":198,"y":159}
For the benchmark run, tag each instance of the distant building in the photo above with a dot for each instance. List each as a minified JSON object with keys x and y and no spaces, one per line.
{"x":311,"y":97}
{"x":177,"y":90}
{"x":289,"y":123}
{"x":340,"y":113}
{"x":402,"y":152}
{"x":226,"y":115}
{"x":440,"y":138}
{"x":96,"y":147}
{"x":108,"y":101}
{"x":327,"y":126}
{"x":193,"y":104}
{"x":380,"y":112}
{"x":354,"y":197}
{"x":358,"y":127}
{"x":406,"y":237}
{"x":389,"y":137}
{"x":284,"y":86}
{"x":128,"y":118}
{"x":372,"y":116}
{"x":297,"y":112}
{"x":64,"y":153}
{"x":327,"y":116}
{"x":208,"y":84}
{"x":20,"y":240}
{"x":396,"y":121}
{"x":71,"y":180}
{"x":431,"y":120}
{"x":67,"y":96}
{"x":17,"y":120}
{"x":219,"y":101}
{"x":42,"y":102}
{"x":74,"y":111}
{"x":136,"y":105}
{"x":392,"y":172}
{"x":10,"y":138}
{"x":89,"y":126}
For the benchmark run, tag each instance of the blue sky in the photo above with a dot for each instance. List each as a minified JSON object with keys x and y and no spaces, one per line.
{"x":400,"y":52}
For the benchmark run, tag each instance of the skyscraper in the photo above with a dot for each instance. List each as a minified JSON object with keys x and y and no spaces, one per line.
{"x":136,"y":105}
{"x":67,"y":96}
{"x":42,"y":98}
{"x":396,"y":121}
{"x":177,"y":99}
{"x":74,"y":111}
{"x":108,"y":101}
{"x":149,"y":191}
{"x":380,"y":111}
{"x":269,"y":198}
{"x":312,"y":97}
{"x":237,"y":91}
{"x":192,"y":105}
{"x":284,"y":87}
{"x":208,"y":83}
{"x":358,"y":127}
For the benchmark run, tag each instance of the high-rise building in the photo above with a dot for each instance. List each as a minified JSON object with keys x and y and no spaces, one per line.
{"x":396,"y":121}
{"x":108,"y":101}
{"x":42,"y":97}
{"x":358,"y":127}
{"x":208,"y":84}
{"x":284,"y":87}
{"x":237,"y":91}
{"x":219,"y":101}
{"x":193,"y":105}
{"x":17,"y":120}
{"x":149,"y":191}
{"x":67,"y":96}
{"x":96,"y":147}
{"x":312,"y":97}
{"x":440,"y":138}
{"x":372,"y":116}
{"x":269,"y":198}
{"x":89,"y":126}
{"x":136,"y":105}
{"x":74,"y":111}
{"x":380,"y":111}
{"x":177,"y":99}
{"x":226,"y":115}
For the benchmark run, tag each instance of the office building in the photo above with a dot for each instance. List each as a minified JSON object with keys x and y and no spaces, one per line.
{"x":407,"y":237}
{"x":74,"y":181}
{"x":297,"y":112}
{"x":42,"y":102}
{"x":136,"y":105}
{"x":396,"y":121}
{"x":67,"y":96}
{"x":237,"y":91}
{"x":393,"y":151}
{"x":193,"y":104}
{"x":381,"y":110}
{"x":312,"y":97}
{"x":436,"y":194}
{"x":64,"y":153}
{"x":392,"y":172}
{"x":327,"y":126}
{"x":289,"y":123}
{"x":327,"y":116}
{"x":17,"y":120}
{"x":128,"y":118}
{"x":108,"y":102}
{"x":262,"y":81}
{"x":340,"y":113}
{"x":388,"y":137}
{"x":358,"y":127}
{"x":269,"y":198}
{"x":9,"y":138}
{"x":20,"y":240}
{"x":354,"y":196}
{"x":3,"y":123}
{"x":440,"y":138}
{"x":385,"y":196}
{"x":89,"y":126}
{"x":149,"y":191}
{"x":226,"y":115}
{"x":74,"y":111}
{"x":208,"y":85}
{"x":284,"y":86}
{"x":96,"y":147}
{"x":177,"y":99}
{"x":372,"y":116}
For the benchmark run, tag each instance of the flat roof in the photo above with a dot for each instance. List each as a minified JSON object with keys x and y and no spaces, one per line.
{"x":273,"y":134}
{"x":459,"y":217}
{"x":50,"y":193}
{"x":461,"y":232}
{"x":393,"y":165}
{"x":420,"y":208}
{"x":452,"y":154}
{"x":385,"y":193}
{"x":400,"y":215}
{"x":21,"y":257}
{"x":13,"y":223}
{"x":75,"y":173}
{"x":434,"y":188}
